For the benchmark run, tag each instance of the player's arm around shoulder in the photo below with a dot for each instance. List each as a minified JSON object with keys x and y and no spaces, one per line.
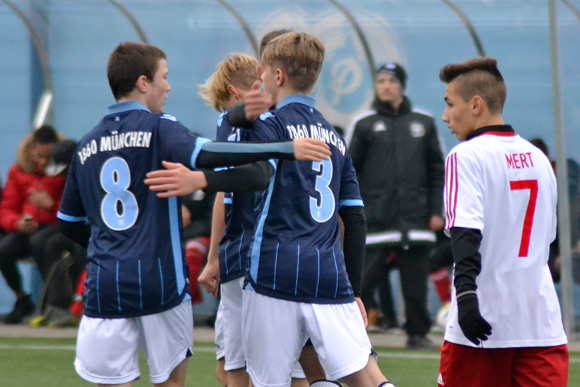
{"x":268,"y":128}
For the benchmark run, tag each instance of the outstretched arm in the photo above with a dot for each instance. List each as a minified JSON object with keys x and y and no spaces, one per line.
{"x":225,"y":154}
{"x":177,"y":180}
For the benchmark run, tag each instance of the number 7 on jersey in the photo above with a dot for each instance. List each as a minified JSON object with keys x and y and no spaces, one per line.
{"x":532,"y":185}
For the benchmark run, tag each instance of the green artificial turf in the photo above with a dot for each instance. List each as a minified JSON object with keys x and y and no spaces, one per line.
{"x":49,"y":363}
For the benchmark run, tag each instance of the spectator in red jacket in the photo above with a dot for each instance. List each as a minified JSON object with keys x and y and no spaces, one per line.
{"x":30,"y":201}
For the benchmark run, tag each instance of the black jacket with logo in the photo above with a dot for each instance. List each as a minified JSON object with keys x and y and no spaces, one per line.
{"x":400,"y":168}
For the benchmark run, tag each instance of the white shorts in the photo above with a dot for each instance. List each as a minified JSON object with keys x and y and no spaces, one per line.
{"x":108,"y":349}
{"x":275,"y":332}
{"x":231,"y":325}
{"x":219,"y":333}
{"x":231,"y":307}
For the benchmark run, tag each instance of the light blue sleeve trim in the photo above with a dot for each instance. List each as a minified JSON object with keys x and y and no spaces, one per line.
{"x":228,"y":147}
{"x":69,"y":218}
{"x":198,"y":145}
{"x":351,"y":203}
{"x":228,"y":200}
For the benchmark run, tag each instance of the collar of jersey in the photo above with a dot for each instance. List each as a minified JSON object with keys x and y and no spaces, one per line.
{"x":297,"y":98}
{"x":498,"y":130}
{"x":124,"y":106}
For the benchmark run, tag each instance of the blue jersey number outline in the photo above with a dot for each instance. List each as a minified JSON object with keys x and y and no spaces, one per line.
{"x":115,"y":179}
{"x":322,"y":209}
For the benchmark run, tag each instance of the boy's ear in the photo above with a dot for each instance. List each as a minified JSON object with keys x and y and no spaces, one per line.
{"x":280,"y":77}
{"x":233,"y":91}
{"x":141,"y":84}
{"x":477,"y":105}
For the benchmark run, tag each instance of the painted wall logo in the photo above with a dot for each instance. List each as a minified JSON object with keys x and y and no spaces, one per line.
{"x":345,"y":86}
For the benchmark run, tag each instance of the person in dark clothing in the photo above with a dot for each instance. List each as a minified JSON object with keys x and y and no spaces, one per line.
{"x":396,"y":152}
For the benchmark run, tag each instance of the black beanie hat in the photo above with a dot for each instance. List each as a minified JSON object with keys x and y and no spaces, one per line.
{"x":396,"y":71}
{"x":61,"y":156}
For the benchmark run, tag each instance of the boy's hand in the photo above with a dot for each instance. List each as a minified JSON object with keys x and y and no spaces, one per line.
{"x":310,"y":149}
{"x":257,"y":102}
{"x":210,"y":277}
{"x":363,"y":311}
{"x":176,"y":180}
{"x":471,"y":322}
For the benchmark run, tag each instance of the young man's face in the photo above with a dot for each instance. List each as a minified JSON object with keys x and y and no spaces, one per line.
{"x":158,"y":88}
{"x":269,"y":82}
{"x":388,"y":89}
{"x":458,"y":114}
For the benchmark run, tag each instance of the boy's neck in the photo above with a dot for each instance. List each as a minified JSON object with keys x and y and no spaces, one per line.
{"x":284,"y":92}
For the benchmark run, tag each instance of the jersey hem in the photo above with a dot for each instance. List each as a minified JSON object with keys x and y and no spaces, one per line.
{"x":139,"y":313}
{"x":304,"y":299}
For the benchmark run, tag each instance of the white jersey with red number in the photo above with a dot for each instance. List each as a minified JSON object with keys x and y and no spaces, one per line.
{"x":505,"y":187}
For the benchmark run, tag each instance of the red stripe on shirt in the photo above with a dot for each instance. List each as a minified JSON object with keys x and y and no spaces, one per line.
{"x":503,"y":134}
{"x":456,"y":188}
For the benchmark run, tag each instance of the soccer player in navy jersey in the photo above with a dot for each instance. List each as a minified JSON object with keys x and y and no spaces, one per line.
{"x":233,"y":79}
{"x":232,"y":228}
{"x":297,"y":286}
{"x":299,"y":266}
{"x":137,"y":291}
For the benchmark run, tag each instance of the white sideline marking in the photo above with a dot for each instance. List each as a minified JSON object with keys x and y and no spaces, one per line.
{"x":207,"y":349}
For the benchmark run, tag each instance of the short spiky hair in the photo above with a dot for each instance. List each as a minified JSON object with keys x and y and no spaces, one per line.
{"x":128,"y":62}
{"x":268,"y":37}
{"x":300,"y":55}
{"x":477,"y":76}
{"x":238,"y":69}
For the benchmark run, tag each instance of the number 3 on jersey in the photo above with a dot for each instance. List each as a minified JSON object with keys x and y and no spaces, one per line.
{"x":532,"y":185}
{"x":119,"y":209}
{"x":322,"y":209}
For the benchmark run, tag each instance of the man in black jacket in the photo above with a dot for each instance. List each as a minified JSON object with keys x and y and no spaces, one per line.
{"x":397,"y":155}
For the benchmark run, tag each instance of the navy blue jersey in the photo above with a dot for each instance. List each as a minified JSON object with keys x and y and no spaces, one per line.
{"x":296,"y":253}
{"x":235,"y":244}
{"x":136,"y":263}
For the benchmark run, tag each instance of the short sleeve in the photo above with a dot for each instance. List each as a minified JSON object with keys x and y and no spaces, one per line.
{"x":349,"y":189}
{"x":176,"y":143}
{"x":71,"y":206}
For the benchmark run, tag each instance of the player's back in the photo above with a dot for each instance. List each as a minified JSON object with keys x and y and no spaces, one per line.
{"x":510,"y":196}
{"x":135,"y":257}
{"x":296,"y":252}
{"x":235,"y":244}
